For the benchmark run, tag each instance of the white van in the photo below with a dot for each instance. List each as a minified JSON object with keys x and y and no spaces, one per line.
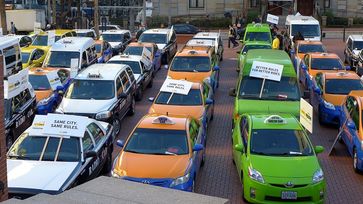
{"x":10,"y":50}
{"x":63,"y":51}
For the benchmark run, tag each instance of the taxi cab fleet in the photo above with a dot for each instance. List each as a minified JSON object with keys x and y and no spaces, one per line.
{"x":250,"y":45}
{"x":58,"y":152}
{"x":257,"y":32}
{"x":217,"y":41}
{"x":329,"y":91}
{"x":198,"y":102}
{"x":104,"y":92}
{"x":103,"y":50}
{"x":49,"y":85}
{"x":195,"y":63}
{"x":32,"y":57}
{"x":276,"y":161}
{"x":304,"y":47}
{"x":312,"y":63}
{"x":136,"y":48}
{"x":162,"y":150}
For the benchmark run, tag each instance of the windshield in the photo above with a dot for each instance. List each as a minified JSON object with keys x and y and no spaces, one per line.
{"x":311,"y":48}
{"x":258,"y":36}
{"x":91,"y":89}
{"x":191,"y":64}
{"x":39,"y":82}
{"x":133,"y":50}
{"x":307,"y":31}
{"x":158,"y":141}
{"x":155,"y":38}
{"x":42,"y":40}
{"x":33,"y":147}
{"x":25,"y":57}
{"x":280,"y":142}
{"x":193,"y":98}
{"x":286,"y":89}
{"x":135,"y":65}
{"x":326,"y":63}
{"x":113,"y":37}
{"x":61,"y":59}
{"x":255,"y":47}
{"x":342,"y":86}
{"x":98,"y":48}
{"x":358,"y":45}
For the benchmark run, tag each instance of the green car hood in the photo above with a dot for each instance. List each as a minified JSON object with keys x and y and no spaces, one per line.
{"x":274,"y":167}
{"x":267,"y":106}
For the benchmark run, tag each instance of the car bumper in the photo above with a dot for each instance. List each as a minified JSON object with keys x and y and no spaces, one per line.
{"x":330,"y":116}
{"x":256,"y":192}
{"x":166,"y":183}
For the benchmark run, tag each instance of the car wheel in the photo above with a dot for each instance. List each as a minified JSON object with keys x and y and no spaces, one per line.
{"x":355,"y":161}
{"x":139,"y":93}
{"x":132,"y":107}
{"x":116,"y":123}
{"x":9,"y":141}
{"x":108,"y":165}
{"x":150,"y":85}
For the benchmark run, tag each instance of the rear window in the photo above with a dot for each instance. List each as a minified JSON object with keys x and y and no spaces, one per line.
{"x":311,"y":48}
{"x":342,"y":86}
{"x":326,"y":63}
{"x":191,"y":64}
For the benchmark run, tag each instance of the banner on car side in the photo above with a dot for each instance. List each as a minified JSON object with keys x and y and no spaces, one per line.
{"x":74,"y":67}
{"x":53,"y":79}
{"x":306,"y":115}
{"x":176,"y":86}
{"x":146,"y":57}
{"x":266,"y":70}
{"x":65,"y":125}
{"x":272,"y":19}
{"x":16,"y":84}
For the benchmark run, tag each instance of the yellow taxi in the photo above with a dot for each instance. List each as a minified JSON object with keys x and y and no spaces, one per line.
{"x":197,"y":101}
{"x":304,"y":47}
{"x":32,"y":57}
{"x":329,"y":91}
{"x":162,"y":150}
{"x":195,"y":63}
{"x":49,"y":84}
{"x":41,"y":40}
{"x":314,"y":63}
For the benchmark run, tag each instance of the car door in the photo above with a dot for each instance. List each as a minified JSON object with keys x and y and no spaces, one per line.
{"x":197,"y":136}
{"x":351,"y":115}
{"x":23,"y":111}
{"x":146,"y":73}
{"x":317,"y":85}
{"x":241,"y":139}
{"x":208,"y":94}
{"x":89,"y":164}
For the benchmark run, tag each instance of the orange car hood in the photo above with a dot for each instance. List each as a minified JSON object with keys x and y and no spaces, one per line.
{"x":194,"y":111}
{"x":334,"y":99}
{"x":42,"y":94}
{"x":190,"y":76}
{"x":152,"y":166}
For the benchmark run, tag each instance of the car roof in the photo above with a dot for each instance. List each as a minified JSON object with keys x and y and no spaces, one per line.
{"x":157,"y":30}
{"x":115,"y":32}
{"x":101,"y":71}
{"x":274,"y":121}
{"x":258,"y":27}
{"x":57,"y":32}
{"x":324,"y":55}
{"x":356,"y":37}
{"x":124,"y":57}
{"x":269,"y":56}
{"x":308,"y":42}
{"x":72,"y":44}
{"x":42,"y":71}
{"x":207,"y":35}
{"x":341,"y":75}
{"x":300,"y":20}
{"x":148,"y":121}
{"x":28,"y":49}
{"x":194,"y":51}
{"x":83,"y":30}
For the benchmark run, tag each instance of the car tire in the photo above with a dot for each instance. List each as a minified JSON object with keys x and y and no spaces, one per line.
{"x":106,"y":170}
{"x":116,"y":123}
{"x":221,"y":59}
{"x":132,"y":107}
{"x":139,"y":93}
{"x":9,"y":140}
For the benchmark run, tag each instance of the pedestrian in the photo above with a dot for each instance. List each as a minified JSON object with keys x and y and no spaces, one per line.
{"x":140,"y":31}
{"x":13,"y":29}
{"x":232,"y":36}
{"x":276,"y":43}
{"x":297,"y":37}
{"x":282,"y":39}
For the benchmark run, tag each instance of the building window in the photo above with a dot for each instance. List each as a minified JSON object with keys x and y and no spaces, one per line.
{"x":327,"y":4}
{"x":196,"y":3}
{"x":253,"y":3}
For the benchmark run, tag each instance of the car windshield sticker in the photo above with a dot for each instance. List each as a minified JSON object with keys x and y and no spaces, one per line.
{"x":16,"y":84}
{"x":306,"y":115}
{"x":67,"y":125}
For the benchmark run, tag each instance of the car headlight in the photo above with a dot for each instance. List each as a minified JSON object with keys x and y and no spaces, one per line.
{"x":117,"y":174}
{"x":318,"y":176}
{"x":45,"y":101}
{"x":329,"y":105}
{"x":103,"y":115}
{"x":180,"y":180}
{"x":255,"y":175}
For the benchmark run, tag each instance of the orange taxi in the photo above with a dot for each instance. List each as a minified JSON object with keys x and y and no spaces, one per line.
{"x":329,"y":91}
{"x":136,"y":48}
{"x":162,"y":150}
{"x":195,"y":63}
{"x":304,"y":47}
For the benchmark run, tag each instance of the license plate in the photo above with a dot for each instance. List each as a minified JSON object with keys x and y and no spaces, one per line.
{"x":288,"y":195}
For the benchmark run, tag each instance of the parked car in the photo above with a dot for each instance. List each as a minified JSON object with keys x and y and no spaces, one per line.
{"x":185,"y":29}
{"x":136,"y":48}
{"x":353,"y":46}
{"x":118,"y":39}
{"x":218,"y":43}
{"x":86,"y":33}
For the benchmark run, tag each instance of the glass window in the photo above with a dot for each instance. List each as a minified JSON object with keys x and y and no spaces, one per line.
{"x":91,"y":89}
{"x":191,"y":64}
{"x":196,"y":3}
{"x":20,"y":100}
{"x":307,"y":31}
{"x":342,"y":86}
{"x":119,"y":86}
{"x":63,"y":75}
{"x":133,"y":50}
{"x":350,"y":103}
{"x":355,"y":115}
{"x":280,"y":142}
{"x":326,"y":63}
{"x":39,"y":82}
{"x":153,"y":37}
{"x":12,"y":54}
{"x":131,"y":75}
{"x":158,"y":141}
{"x":286,"y":90}
{"x":258,"y":36}
{"x":113,"y":37}
{"x":135,"y":65}
{"x":125,"y":81}
{"x":8,"y":109}
{"x":61,"y":59}
{"x":358,"y":45}
{"x":254,"y":47}
{"x":311,"y":48}
{"x":25,"y":57}
{"x":87,"y":142}
{"x":41,"y":40}
{"x":192,"y":99}
{"x":98,"y":48}
{"x":96,"y":132}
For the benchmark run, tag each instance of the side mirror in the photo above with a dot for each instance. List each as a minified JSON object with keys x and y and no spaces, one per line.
{"x":59,"y":88}
{"x":122,"y":95}
{"x":90,"y":154}
{"x":317,"y":90}
{"x":238,"y":147}
{"x":351,"y":125}
{"x":198,"y":147}
{"x":304,"y":67}
{"x":232,"y":92}
{"x":306,"y":94}
{"x":216,"y":68}
{"x":209,"y":101}
{"x":120,"y":143}
{"x":347,"y":68}
{"x":238,"y":52}
{"x":151,"y":99}
{"x":318,"y":149}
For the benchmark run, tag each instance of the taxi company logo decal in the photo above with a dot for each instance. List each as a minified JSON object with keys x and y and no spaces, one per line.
{"x":145,"y":182}
{"x":289,"y":184}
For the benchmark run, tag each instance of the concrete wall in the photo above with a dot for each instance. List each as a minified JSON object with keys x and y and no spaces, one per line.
{"x":3,"y":172}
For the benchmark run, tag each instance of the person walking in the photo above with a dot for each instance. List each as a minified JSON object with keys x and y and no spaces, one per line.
{"x":276,"y":43}
{"x":13,"y":29}
{"x":232,"y":36}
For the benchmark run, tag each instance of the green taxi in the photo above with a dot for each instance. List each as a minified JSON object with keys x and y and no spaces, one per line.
{"x":257,"y":32}
{"x":276,"y":161}
{"x":250,"y":45}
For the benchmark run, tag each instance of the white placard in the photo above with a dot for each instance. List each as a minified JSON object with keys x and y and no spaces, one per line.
{"x":51,"y":37}
{"x":16,"y":84}
{"x":306,"y":115}
{"x":54,"y":80}
{"x":74,"y":67}
{"x":272,"y":19}
{"x":266,"y":70}
{"x":146,"y":57}
{"x":176,"y":86}
{"x":67,"y":125}
{"x":37,"y":27}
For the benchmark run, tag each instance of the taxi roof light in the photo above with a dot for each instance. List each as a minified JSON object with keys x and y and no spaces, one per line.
{"x":275,"y":119}
{"x":94,"y":75}
{"x":67,"y":41}
{"x":163,"y":120}
{"x":126,"y":55}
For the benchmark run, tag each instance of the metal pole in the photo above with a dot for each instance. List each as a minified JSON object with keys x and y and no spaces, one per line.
{"x":48,"y":11}
{"x":96,"y":19}
{"x":3,"y":17}
{"x":169,"y":14}
{"x":54,"y":13}
{"x":143,"y":12}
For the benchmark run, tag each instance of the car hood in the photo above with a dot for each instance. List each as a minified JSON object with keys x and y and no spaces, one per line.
{"x":268,"y":106}
{"x":194,"y":111}
{"x":161,"y":46}
{"x":40,"y":175}
{"x":84,"y":106}
{"x":114,"y":44}
{"x":42,"y":94}
{"x":152,"y":166}
{"x":335,"y":99}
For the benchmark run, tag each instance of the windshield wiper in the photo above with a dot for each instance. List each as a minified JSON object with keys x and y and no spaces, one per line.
{"x":170,"y":153}
{"x":133,"y":151}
